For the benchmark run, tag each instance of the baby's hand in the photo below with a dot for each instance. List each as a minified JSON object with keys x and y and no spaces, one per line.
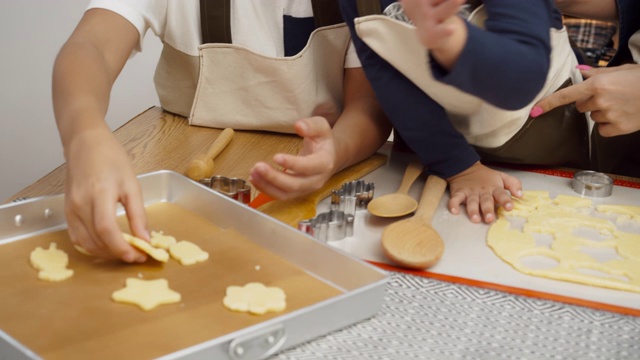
{"x":481,"y":189}
{"x":435,"y":20}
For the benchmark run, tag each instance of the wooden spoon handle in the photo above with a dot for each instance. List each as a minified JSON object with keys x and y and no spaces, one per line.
{"x":430,"y":198}
{"x":414,"y":169}
{"x":220,"y":143}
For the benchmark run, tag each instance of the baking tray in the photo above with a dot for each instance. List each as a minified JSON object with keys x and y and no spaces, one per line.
{"x":327,"y":289}
{"x":467,"y":259}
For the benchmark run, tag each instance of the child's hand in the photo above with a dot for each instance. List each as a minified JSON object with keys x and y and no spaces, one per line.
{"x":99,"y":176}
{"x":305,"y":172}
{"x":481,"y":189}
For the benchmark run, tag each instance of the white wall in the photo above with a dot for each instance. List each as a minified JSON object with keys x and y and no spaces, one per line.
{"x":31,"y":34}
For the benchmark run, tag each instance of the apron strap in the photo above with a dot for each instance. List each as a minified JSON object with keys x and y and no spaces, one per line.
{"x":369,"y":7}
{"x":215,"y":21}
{"x":326,"y":12}
{"x":215,"y":16}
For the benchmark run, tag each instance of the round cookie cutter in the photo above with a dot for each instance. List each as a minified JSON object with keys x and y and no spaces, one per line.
{"x":592,"y":183}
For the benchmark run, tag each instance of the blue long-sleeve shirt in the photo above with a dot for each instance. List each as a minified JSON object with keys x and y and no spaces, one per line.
{"x":629,"y":23}
{"x":506,"y":65}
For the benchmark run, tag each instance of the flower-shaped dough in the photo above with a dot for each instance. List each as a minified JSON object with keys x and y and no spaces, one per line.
{"x":187,"y":253}
{"x":255,"y":298}
{"x":162,"y":241}
{"x":158,"y":254}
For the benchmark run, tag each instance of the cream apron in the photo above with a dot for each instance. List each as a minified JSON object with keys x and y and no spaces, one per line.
{"x":498,"y":134}
{"x":231,"y":86}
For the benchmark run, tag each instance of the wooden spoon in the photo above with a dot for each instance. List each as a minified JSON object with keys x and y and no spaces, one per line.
{"x":398,"y":203}
{"x":202,"y":165}
{"x":412,"y":242}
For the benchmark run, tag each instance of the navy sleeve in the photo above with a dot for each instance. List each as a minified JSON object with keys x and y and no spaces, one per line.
{"x":419,"y":120}
{"x":629,"y":23}
{"x":507,"y":64}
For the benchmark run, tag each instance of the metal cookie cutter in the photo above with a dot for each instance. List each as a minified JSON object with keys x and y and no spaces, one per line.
{"x":329,"y":226}
{"x":591,"y":183}
{"x":354,"y":195}
{"x":234,"y":188}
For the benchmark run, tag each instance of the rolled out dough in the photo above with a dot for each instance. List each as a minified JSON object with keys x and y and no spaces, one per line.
{"x":570,"y":255}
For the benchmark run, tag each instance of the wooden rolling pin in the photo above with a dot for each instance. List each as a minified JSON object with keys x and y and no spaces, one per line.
{"x":293,"y":211}
{"x":202,"y":165}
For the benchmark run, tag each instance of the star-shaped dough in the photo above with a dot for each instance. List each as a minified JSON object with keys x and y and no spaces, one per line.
{"x":254,"y":298}
{"x":147,"y":294}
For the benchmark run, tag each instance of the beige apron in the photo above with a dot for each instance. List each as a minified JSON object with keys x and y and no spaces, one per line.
{"x":496,"y":133}
{"x":231,"y":86}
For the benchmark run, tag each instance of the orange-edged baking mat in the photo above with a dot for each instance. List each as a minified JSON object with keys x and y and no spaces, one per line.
{"x":468,"y":260}
{"x":76,"y":318}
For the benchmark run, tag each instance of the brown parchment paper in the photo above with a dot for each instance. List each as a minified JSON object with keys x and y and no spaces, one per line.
{"x":76,"y":318}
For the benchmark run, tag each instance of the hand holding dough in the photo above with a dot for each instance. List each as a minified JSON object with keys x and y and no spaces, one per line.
{"x":158,"y":254}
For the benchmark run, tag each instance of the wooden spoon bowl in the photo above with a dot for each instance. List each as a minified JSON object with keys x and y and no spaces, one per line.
{"x":398,"y":203}
{"x":413,"y":243}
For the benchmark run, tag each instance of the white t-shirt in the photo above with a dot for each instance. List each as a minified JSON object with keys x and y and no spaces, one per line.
{"x":255,"y":24}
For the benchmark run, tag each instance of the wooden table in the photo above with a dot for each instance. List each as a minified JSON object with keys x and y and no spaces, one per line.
{"x":156,"y":140}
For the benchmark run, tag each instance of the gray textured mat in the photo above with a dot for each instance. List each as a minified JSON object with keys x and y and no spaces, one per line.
{"x":424,"y":318}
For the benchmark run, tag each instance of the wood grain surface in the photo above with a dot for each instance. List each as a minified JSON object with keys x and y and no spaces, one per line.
{"x":157,"y":140}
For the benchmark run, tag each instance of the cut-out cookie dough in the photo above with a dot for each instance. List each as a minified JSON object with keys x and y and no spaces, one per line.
{"x":146,"y":294}
{"x":82,"y":250}
{"x":187,"y":253}
{"x":52,"y":263}
{"x":158,"y":254}
{"x":569,"y":254}
{"x":162,"y":241}
{"x":255,"y":298}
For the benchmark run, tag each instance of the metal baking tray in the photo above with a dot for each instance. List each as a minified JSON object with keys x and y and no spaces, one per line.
{"x":359,"y":287}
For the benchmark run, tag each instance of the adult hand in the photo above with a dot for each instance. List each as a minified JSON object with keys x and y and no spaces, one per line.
{"x":612,"y":95}
{"x":305,"y":172}
{"x":481,"y":189}
{"x":99,"y":176}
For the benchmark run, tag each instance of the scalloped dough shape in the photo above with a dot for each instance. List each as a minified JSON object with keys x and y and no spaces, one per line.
{"x":188,"y":253}
{"x":158,"y":254}
{"x":162,"y":241}
{"x":255,"y":298}
{"x":51,"y":262}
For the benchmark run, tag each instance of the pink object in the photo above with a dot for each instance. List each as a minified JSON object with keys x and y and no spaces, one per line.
{"x":536,"y":111}
{"x":583,"y":67}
